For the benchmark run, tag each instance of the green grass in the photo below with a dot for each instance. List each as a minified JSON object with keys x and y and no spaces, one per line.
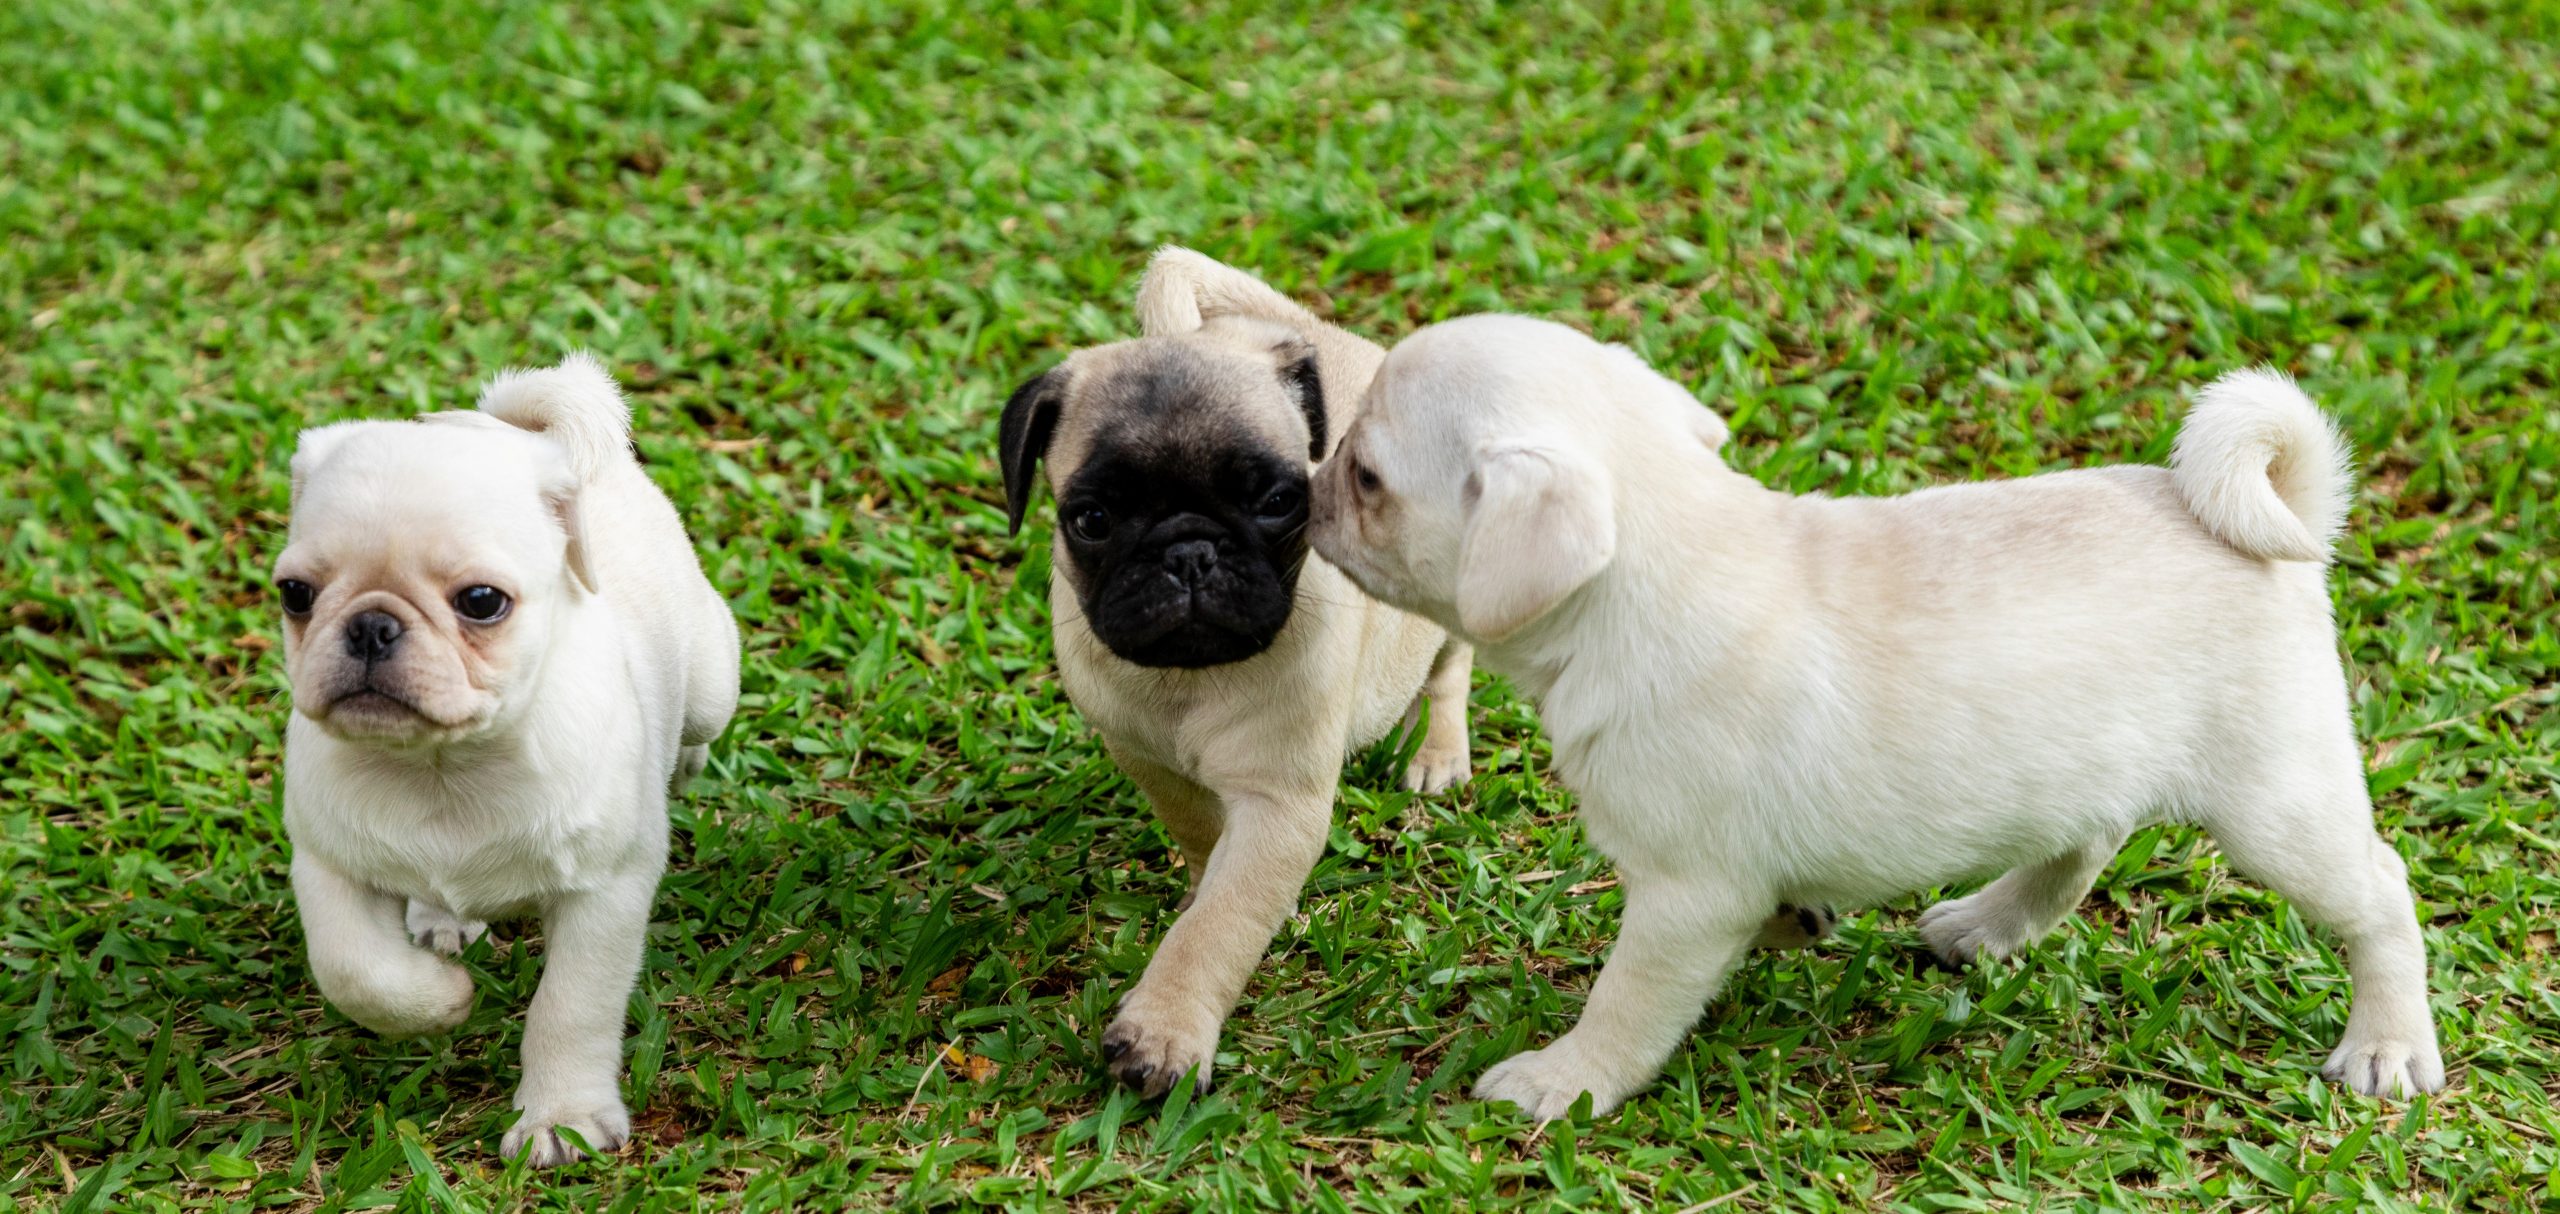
{"x":1897,"y":244}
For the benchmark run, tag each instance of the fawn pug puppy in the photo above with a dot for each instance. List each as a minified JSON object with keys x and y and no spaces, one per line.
{"x":504,"y":654}
{"x":1763,"y":697}
{"x":1227,"y":672}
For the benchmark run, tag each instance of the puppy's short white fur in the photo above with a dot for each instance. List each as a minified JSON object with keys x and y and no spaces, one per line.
{"x":1761,"y":697}
{"x":441,"y":771}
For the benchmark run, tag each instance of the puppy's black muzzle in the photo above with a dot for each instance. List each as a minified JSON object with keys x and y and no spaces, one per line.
{"x":371,"y":636}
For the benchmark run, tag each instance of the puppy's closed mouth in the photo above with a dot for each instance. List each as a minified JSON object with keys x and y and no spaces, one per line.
{"x":369,"y":695}
{"x":370,"y":705}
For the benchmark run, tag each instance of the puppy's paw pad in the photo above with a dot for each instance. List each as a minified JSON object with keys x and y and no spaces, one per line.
{"x":2388,"y":1068}
{"x":1962,"y":929}
{"x":1545,"y":1083}
{"x":1149,"y":1052}
{"x":1798,"y":926}
{"x":1435,"y":771}
{"x":435,"y":928}
{"x":602,"y":1123}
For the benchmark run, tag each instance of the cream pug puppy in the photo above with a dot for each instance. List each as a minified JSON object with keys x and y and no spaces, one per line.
{"x":503,"y":653}
{"x":1761,"y":697}
{"x":1227,"y":672}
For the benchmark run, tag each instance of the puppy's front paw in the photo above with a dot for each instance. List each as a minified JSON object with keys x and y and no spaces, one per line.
{"x":1961,"y":929}
{"x":1436,"y":768}
{"x":1154,"y":1042}
{"x":600,"y":1120}
{"x":1545,"y":1083}
{"x":1797,"y":927}
{"x":2387,"y":1067}
{"x":433,"y":927}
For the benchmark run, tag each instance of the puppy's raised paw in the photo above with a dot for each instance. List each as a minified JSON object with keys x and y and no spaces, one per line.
{"x":433,"y":927}
{"x":600,"y":1121}
{"x":2386,"y":1067}
{"x":1153,"y":1043}
{"x":1545,"y":1083}
{"x":405,"y":994}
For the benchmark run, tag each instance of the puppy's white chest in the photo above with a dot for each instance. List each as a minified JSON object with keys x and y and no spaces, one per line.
{"x":489,"y":844}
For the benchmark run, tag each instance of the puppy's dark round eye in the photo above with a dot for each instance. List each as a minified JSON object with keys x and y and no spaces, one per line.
{"x":297,"y":595}
{"x":1280,"y":504}
{"x":1091,"y":524}
{"x":484,"y":604}
{"x":1368,"y":480}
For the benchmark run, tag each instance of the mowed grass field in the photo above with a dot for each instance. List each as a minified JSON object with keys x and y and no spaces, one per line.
{"x":1897,"y":244}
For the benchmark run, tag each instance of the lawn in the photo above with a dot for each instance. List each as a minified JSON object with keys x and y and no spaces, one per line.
{"x":1897,"y":244}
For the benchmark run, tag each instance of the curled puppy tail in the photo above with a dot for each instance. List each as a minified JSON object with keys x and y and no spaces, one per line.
{"x":576,"y":403}
{"x":1182,"y":290}
{"x":2262,"y":468}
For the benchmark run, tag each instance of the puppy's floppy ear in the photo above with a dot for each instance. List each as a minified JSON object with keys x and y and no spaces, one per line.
{"x":1540,"y":523}
{"x":1300,"y":375}
{"x":1029,"y":418}
{"x":560,"y":493}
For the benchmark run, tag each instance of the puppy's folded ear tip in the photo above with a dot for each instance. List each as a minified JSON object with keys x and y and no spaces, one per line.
{"x":1030,"y":416}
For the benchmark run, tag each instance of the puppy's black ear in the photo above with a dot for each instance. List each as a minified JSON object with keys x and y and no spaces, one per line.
{"x":1029,"y":417}
{"x":1299,"y":375}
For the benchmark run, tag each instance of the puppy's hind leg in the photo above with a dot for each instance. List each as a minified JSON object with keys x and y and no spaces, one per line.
{"x":2318,"y":849}
{"x":1797,"y":927}
{"x":2020,"y":908}
{"x":434,"y":926}
{"x":689,"y":763}
{"x":1440,"y":762}
{"x":710,"y":686}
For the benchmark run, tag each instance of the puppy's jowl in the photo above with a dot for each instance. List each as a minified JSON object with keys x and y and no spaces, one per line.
{"x":1227,"y":671}
{"x":504,"y":655}
{"x":1761,"y":697}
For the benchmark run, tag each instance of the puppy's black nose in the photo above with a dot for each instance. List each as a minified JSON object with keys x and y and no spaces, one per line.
{"x":1191,"y":560}
{"x":371,"y":635}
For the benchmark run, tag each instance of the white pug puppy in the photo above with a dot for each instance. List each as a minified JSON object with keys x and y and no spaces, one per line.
{"x":503,"y":653}
{"x":1761,"y":697}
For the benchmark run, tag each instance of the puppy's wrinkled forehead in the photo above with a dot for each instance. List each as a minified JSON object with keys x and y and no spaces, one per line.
{"x":1170,"y":401}
{"x":383,"y":486}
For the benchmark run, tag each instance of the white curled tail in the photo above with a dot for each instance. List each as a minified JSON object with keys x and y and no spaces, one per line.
{"x":576,"y":403}
{"x":2261,"y":467}
{"x":1183,"y":289}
